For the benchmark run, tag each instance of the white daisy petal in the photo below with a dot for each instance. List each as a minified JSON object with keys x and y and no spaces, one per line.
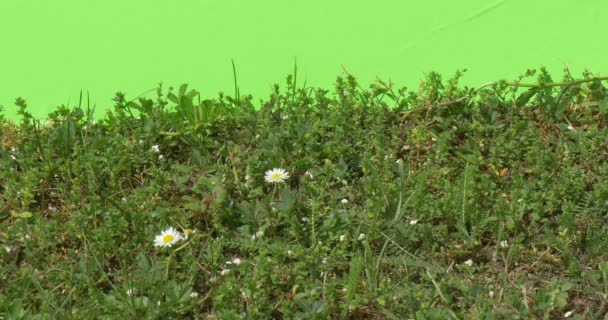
{"x":167,"y":238}
{"x":276,"y":175}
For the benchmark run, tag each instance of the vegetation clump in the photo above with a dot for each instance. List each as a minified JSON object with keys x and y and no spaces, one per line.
{"x":378,"y":203}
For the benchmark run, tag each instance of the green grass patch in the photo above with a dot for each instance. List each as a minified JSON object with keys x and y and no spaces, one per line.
{"x":439,"y":203}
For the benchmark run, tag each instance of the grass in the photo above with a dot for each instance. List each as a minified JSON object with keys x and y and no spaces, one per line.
{"x":440,"y":203}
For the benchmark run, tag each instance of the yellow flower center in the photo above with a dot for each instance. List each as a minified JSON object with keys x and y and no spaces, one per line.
{"x":276,"y":176}
{"x":168,"y":238}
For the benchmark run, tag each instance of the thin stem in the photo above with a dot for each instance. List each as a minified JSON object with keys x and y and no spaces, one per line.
{"x":274,"y":192}
{"x":168,"y":263}
{"x":312,"y":225}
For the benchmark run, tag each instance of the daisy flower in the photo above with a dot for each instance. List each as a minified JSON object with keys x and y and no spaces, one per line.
{"x":167,"y":238}
{"x":276,"y":175}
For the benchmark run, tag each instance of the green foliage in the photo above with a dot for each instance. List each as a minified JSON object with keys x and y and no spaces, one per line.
{"x":444,"y":203}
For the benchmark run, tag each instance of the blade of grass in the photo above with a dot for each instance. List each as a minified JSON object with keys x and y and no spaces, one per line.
{"x":236,"y":88}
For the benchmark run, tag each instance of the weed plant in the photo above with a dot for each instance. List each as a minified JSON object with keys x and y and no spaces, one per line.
{"x":439,"y":203}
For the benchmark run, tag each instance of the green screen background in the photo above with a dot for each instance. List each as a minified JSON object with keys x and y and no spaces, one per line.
{"x":50,"y":50}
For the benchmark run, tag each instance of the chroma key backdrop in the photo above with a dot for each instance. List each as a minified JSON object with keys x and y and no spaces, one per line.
{"x":51,"y":50}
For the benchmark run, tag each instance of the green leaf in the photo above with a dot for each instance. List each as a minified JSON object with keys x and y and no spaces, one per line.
{"x":172,"y":98}
{"x":525,"y":97}
{"x":23,"y":215}
{"x":4,"y":215}
{"x":288,"y":200}
{"x":603,"y":106}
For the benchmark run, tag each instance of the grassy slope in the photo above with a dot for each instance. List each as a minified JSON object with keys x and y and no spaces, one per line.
{"x":489,"y":207}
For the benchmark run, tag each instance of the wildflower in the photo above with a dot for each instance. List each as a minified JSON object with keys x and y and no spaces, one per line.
{"x":399,"y":161}
{"x":345,"y":201}
{"x":342,"y":238}
{"x":469,"y":262}
{"x":257,"y":235}
{"x":247,"y":177}
{"x":188,"y":232}
{"x":225,"y":272}
{"x":568,"y":314}
{"x":413,"y":222}
{"x":276,"y":175}
{"x":307,"y":173}
{"x":124,"y":199}
{"x":13,"y":157}
{"x":155,"y":148}
{"x":194,"y":295}
{"x":167,"y":238}
{"x":491,"y":293}
{"x":361,"y":237}
{"x":235,"y":261}
{"x":289,"y":252}
{"x":570,"y":127}
{"x":160,"y":157}
{"x":504,"y":244}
